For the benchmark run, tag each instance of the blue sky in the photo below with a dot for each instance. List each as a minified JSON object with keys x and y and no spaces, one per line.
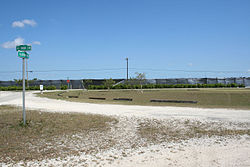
{"x":91,"y":38}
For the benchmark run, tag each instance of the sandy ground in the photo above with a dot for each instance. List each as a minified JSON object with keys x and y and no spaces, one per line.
{"x":215,"y":151}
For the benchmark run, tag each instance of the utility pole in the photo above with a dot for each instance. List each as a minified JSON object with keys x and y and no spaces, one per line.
{"x":127,"y":68}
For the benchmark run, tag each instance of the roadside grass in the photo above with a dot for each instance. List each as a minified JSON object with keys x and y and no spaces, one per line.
{"x":58,"y":135}
{"x":48,"y":135}
{"x":235,"y":98}
{"x":155,"y":131}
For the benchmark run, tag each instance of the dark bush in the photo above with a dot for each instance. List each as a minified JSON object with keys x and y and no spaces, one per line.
{"x":64,"y":87}
{"x":34,"y":88}
{"x":52,"y":87}
{"x":151,"y":86}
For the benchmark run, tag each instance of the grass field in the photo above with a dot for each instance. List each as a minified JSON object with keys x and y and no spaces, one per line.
{"x":47,"y":135}
{"x":57,"y":135}
{"x":206,"y":98}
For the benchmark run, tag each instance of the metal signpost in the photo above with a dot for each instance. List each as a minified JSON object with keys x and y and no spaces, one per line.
{"x":23,"y":48}
{"x":24,"y":55}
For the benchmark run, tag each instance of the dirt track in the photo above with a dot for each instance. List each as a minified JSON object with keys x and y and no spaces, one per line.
{"x":195,"y":152}
{"x":33,"y":102}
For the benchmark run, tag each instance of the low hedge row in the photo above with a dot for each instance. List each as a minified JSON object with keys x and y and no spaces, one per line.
{"x":122,"y":86}
{"x":10,"y":88}
{"x":64,"y":87}
{"x":152,"y":86}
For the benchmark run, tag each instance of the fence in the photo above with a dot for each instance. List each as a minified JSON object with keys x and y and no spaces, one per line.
{"x":79,"y":84}
{"x":73,"y":84}
{"x":245,"y":81}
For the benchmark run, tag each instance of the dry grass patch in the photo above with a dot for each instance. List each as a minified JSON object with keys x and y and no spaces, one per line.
{"x":155,"y":131}
{"x":49,"y":135}
{"x":207,"y":98}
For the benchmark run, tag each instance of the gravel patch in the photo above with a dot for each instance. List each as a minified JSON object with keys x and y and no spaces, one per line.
{"x":148,"y":136}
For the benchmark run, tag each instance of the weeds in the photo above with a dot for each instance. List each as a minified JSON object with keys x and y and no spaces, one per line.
{"x":44,"y":133}
{"x":177,"y":130}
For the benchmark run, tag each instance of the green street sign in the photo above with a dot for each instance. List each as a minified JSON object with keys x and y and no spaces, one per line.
{"x":23,"y":55}
{"x":23,"y":48}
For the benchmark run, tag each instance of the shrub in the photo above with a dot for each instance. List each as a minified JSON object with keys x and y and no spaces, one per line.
{"x":91,"y":87}
{"x":14,"y":88}
{"x":233,"y":85}
{"x":239,"y":85}
{"x":149,"y":86}
{"x":131,"y":86}
{"x":108,"y":83}
{"x":116,"y":87}
{"x":34,"y":88}
{"x":52,"y":87}
{"x":3,"y":88}
{"x":64,"y":87}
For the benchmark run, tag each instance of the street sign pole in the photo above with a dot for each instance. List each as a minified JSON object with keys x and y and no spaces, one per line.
{"x":27,"y":73}
{"x":24,"y":113}
{"x":21,"y":51}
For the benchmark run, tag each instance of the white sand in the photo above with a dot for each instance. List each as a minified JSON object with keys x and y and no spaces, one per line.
{"x":196,"y":152}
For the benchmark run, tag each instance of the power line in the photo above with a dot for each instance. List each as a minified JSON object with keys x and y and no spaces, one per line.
{"x":211,"y":71}
{"x":72,"y":70}
{"x":10,"y":71}
{"x":116,"y":69}
{"x":66,"y":70}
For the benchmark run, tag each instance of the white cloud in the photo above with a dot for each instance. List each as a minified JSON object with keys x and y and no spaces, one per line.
{"x":36,"y":43}
{"x":248,"y":70}
{"x":190,"y":64}
{"x":17,"y":24}
{"x":29,"y":22}
{"x":13,"y":44}
{"x":17,"y":41}
{"x":24,"y":22}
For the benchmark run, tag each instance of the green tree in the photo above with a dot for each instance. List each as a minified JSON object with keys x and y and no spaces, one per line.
{"x":108,"y":83}
{"x":140,"y":78}
{"x":32,"y":81}
{"x":19,"y":81}
{"x":87,"y":83}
